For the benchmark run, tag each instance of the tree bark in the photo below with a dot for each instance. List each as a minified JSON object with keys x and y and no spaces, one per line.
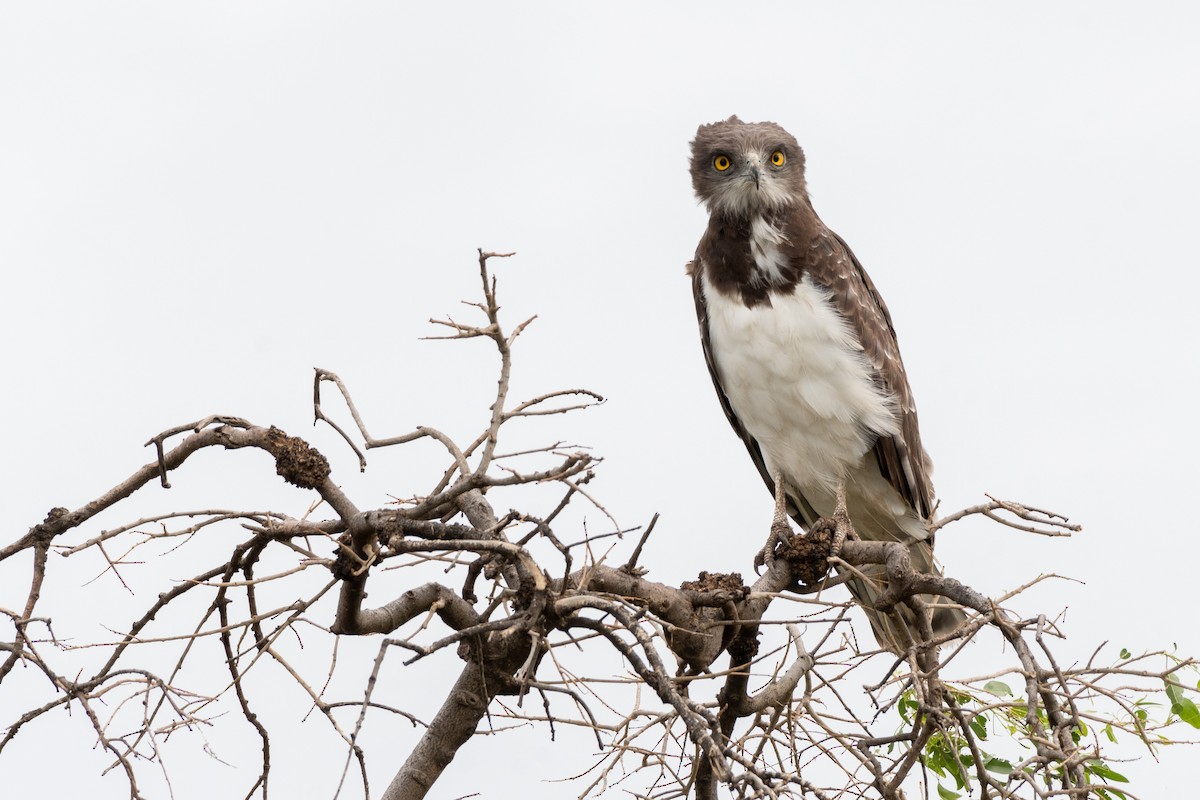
{"x":451,"y":728}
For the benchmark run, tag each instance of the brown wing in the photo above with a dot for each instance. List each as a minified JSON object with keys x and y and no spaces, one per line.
{"x":902,"y":459}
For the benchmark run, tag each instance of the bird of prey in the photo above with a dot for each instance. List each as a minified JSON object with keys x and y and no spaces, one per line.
{"x":804,"y":358}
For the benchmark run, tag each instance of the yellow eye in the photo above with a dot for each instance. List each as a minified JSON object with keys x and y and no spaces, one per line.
{"x":777,"y":158}
{"x":722,"y":163}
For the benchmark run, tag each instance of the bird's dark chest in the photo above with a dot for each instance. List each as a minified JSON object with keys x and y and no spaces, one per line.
{"x":749,"y":259}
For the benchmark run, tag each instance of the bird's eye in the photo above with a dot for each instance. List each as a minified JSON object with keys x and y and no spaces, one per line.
{"x":777,"y":158}
{"x":722,"y":163}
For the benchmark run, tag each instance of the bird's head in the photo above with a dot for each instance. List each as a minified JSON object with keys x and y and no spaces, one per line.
{"x":742,"y":169}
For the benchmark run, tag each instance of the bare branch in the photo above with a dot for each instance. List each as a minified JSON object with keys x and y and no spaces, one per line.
{"x":756,"y":691}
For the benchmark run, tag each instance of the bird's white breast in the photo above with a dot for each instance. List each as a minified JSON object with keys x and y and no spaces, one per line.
{"x":799,"y":383}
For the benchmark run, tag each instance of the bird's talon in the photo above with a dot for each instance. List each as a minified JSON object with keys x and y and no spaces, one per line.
{"x":781,"y":533}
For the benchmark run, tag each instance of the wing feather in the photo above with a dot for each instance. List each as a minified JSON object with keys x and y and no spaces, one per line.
{"x":902,"y":459}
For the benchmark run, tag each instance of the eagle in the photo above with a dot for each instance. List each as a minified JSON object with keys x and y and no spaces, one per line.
{"x":803,"y":355}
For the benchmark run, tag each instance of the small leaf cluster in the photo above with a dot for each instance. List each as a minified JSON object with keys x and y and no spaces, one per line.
{"x":947,"y":753}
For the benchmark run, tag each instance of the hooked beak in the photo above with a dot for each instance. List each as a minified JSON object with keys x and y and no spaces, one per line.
{"x":754,"y":174}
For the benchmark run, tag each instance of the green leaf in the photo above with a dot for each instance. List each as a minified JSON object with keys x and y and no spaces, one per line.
{"x":1125,"y":653}
{"x":1187,"y":712}
{"x":999,"y":765}
{"x":979,"y":726}
{"x":1182,"y":706}
{"x":1102,"y":770}
{"x":1108,"y":731}
{"x":998,"y":688}
{"x":946,"y":794}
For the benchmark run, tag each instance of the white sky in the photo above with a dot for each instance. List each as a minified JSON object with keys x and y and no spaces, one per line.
{"x":201,"y":202}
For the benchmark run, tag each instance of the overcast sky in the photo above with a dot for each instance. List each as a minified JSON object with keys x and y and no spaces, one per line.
{"x":201,"y":202}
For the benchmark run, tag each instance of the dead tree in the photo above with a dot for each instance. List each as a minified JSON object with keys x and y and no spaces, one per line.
{"x":786,"y":705}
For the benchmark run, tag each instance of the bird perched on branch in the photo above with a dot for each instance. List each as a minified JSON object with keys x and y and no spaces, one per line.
{"x":804,"y":359}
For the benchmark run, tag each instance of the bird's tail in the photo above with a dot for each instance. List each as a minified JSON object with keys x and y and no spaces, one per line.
{"x":897,"y":630}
